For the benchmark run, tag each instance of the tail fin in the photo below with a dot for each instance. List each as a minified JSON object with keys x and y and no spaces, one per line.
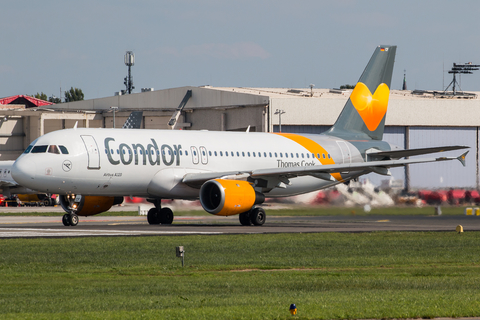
{"x":134,"y":121}
{"x":363,"y":116}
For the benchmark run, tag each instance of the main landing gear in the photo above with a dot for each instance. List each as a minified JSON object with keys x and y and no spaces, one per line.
{"x":70,"y":219}
{"x":159,"y":215}
{"x":255,"y":216}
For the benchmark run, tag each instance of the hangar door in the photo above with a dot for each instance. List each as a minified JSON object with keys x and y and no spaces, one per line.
{"x":448,"y":174}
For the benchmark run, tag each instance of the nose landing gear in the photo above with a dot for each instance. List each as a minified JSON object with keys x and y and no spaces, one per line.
{"x":70,"y":204}
{"x":70,"y":219}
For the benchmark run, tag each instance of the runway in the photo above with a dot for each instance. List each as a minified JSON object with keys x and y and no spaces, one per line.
{"x":51,"y":226}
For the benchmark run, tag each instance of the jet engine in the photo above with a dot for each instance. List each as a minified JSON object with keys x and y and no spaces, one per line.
{"x":88,"y":205}
{"x":228,"y":197}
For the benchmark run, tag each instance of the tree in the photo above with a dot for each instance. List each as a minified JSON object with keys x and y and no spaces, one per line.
{"x":347,"y":86}
{"x":55,"y":99}
{"x":73,"y":95}
{"x":41,"y":96}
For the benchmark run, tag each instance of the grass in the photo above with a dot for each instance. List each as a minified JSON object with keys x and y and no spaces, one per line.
{"x":292,"y":210}
{"x":328,"y":276}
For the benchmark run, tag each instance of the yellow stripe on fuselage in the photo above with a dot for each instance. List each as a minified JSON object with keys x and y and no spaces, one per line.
{"x":312,"y":147}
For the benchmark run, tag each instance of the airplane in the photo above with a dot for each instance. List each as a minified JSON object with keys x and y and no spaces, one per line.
{"x":230,"y":172}
{"x":9,"y":187}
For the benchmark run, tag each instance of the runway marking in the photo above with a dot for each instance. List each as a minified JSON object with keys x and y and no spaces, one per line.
{"x":31,"y":232}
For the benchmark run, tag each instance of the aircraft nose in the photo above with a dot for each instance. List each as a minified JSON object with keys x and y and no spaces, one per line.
{"x":24,"y":171}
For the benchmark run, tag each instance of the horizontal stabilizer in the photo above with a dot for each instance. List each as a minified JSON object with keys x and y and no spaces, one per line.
{"x":462,"y":158}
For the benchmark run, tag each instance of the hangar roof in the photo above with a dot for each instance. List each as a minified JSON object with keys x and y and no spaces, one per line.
{"x":28,"y":101}
{"x":336,"y":93}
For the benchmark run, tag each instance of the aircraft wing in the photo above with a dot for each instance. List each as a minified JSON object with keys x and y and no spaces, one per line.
{"x":7,"y":183}
{"x":322,"y":172}
{"x":413,"y":152}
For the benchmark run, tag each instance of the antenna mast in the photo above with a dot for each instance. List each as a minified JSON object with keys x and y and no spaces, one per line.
{"x":465,"y":68}
{"x":129,"y":62}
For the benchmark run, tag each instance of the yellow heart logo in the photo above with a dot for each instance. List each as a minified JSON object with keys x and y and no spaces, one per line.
{"x":371,"y":108}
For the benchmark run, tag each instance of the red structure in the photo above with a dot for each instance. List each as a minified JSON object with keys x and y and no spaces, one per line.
{"x":29,"y":102}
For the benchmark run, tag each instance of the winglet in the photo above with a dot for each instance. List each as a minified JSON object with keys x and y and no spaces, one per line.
{"x":462,"y":158}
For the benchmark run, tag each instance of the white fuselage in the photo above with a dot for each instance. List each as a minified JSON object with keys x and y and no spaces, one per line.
{"x":152,"y":163}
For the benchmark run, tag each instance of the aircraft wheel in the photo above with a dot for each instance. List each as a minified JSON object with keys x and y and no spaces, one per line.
{"x":257,"y":216}
{"x":166,"y":216}
{"x":244,"y":218}
{"x":65,"y":220}
{"x":73,"y":219}
{"x":152,"y":216}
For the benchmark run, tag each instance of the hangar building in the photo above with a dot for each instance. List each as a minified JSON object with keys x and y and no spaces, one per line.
{"x":414,"y":120}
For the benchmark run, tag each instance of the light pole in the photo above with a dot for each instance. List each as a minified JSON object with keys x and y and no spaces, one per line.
{"x":279,"y":112}
{"x":114,"y":109}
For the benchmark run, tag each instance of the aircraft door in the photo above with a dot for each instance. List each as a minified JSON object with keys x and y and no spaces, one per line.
{"x":194,"y":154}
{"x":347,"y":158}
{"x":92,"y":151}
{"x":203,"y":155}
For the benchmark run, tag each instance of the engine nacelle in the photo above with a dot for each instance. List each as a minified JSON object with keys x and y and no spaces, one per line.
{"x":88,"y":205}
{"x":228,"y":197}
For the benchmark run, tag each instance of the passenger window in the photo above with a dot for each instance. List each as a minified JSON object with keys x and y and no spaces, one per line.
{"x":181,"y":153}
{"x":318,"y":155}
{"x":276,"y":155}
{"x":324,"y":156}
{"x":302,"y":156}
{"x":253,"y":154}
{"x":286,"y":155}
{"x":226,"y":153}
{"x":221,"y":154}
{"x":248,"y":153}
{"x":297,"y":155}
{"x":281,"y":155}
{"x":186,"y":152}
{"x":238,"y":154}
{"x":291,"y":154}
{"x":270,"y":154}
{"x":243,"y":154}
{"x":231,"y":153}
{"x":39,"y":149}
{"x":308,"y":155}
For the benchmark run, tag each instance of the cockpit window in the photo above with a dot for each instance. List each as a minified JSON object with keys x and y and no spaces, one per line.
{"x":63,"y":149}
{"x":28,"y":149}
{"x":53,"y":149}
{"x":39,"y":149}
